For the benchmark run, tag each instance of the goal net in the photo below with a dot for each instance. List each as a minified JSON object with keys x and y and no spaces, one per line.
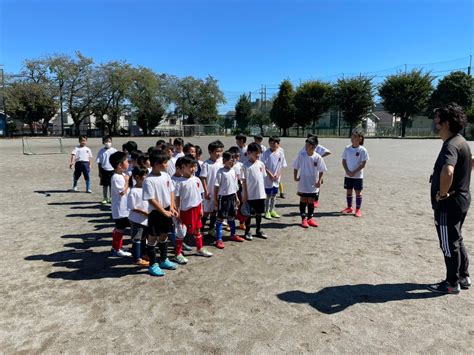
{"x":42,"y":145}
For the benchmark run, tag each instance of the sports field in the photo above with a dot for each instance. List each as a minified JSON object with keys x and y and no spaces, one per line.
{"x":352,"y":285}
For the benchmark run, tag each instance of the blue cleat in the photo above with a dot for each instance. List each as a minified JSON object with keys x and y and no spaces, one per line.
{"x":155,"y":270}
{"x":168,"y":265}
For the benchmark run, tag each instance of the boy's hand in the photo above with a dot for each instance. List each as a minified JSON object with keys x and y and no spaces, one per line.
{"x":207,"y":195}
{"x":297,"y":178}
{"x":70,"y":166}
{"x":318,"y":184}
{"x":126,"y":177}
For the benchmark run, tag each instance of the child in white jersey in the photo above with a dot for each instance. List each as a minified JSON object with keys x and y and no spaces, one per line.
{"x":208,"y":174}
{"x":308,"y":171}
{"x":138,"y":215}
{"x":274,"y":160}
{"x":240,"y":141}
{"x":253,"y":183}
{"x":259,"y":140}
{"x":354,"y":160}
{"x":238,"y":166}
{"x":105,"y":168}
{"x":81,"y":160}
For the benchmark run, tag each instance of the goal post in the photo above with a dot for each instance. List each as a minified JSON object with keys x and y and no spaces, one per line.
{"x":42,"y":145}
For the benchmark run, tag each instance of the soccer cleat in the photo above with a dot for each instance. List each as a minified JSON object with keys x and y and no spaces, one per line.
{"x":274,"y":214}
{"x":142,"y":263}
{"x":282,"y":195}
{"x":74,"y":188}
{"x":358,"y":213}
{"x":316,"y":204}
{"x":242,"y":226}
{"x":311,"y":222}
{"x":109,"y":200}
{"x":445,"y":287}
{"x":89,"y":191}
{"x":120,"y":253}
{"x":168,"y":265}
{"x":220,"y":244}
{"x":261,"y":234}
{"x":204,"y":252}
{"x":347,"y":210}
{"x":248,"y":236}
{"x":104,"y":201}
{"x":154,"y":270}
{"x":268,"y":215}
{"x":304,"y":223}
{"x":180,"y":259}
{"x":465,"y":282}
{"x":236,"y":238}
{"x":187,"y":247}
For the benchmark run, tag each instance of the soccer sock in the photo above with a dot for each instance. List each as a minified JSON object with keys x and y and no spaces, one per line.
{"x":218,"y":230}
{"x":247,"y":225}
{"x":310,"y":210}
{"x":137,"y":250}
{"x":212,"y":221}
{"x":116,"y":239}
{"x":258,"y":221}
{"x":232,"y":226}
{"x":198,"y":241}
{"x":302,"y":209}
{"x":349,"y":201}
{"x":358,"y":201}
{"x":88,"y":185}
{"x":317,"y":196}
{"x":143,"y":247}
{"x":173,"y":236}
{"x":267,"y":204}
{"x":178,"y":247}
{"x":151,"y":252}
{"x":280,"y":187}
{"x":105,"y":189}
{"x":163,"y":246}
{"x":272,"y":202}
{"x":74,"y":183}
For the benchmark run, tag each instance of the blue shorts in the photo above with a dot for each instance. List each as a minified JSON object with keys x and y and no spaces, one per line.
{"x":272,"y":191}
{"x":356,"y":184}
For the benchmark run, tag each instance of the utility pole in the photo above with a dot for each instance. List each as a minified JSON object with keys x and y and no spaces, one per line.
{"x":469,"y":67}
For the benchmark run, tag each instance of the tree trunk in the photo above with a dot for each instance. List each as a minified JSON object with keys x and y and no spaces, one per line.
{"x":350,"y":129}
{"x":77,"y":128}
{"x":404,"y":126}
{"x":285,"y":132}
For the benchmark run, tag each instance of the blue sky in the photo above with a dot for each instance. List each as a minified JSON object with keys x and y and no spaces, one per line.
{"x":245,"y":43}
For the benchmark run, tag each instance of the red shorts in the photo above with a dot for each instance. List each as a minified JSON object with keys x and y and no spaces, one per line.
{"x":192,"y":219}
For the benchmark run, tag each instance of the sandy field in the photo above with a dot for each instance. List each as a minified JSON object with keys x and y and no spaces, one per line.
{"x":350,"y":286}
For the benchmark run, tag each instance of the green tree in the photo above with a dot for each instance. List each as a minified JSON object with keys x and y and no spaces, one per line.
{"x":243,"y":111}
{"x":147,"y":98}
{"x":355,"y":99}
{"x":283,"y":109}
{"x":406,"y":94}
{"x":312,"y":99}
{"x":456,"y":87}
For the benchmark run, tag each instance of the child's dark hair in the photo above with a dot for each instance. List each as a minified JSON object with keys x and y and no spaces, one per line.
{"x":226,"y":156}
{"x":151,"y":149}
{"x":141,"y":160}
{"x":275,"y":139}
{"x":135,"y":154}
{"x":198,"y":151}
{"x":234,"y":150}
{"x":254,"y":147}
{"x":159,"y":143}
{"x":241,"y":137}
{"x":187,"y":147}
{"x":360,"y":135}
{"x":213,"y":146}
{"x":106,"y":138}
{"x":179,"y":163}
{"x":313,"y":141}
{"x":158,"y":157}
{"x":130,"y":146}
{"x":117,"y":158}
{"x":454,"y":114}
{"x":178,"y":141}
{"x":258,"y":137}
{"x":313,"y":136}
{"x":139,"y":171}
{"x":187,"y":160}
{"x":167,"y":146}
{"x":82,"y":137}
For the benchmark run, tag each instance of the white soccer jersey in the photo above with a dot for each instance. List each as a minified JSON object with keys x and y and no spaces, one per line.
{"x":190,"y":192}
{"x":119,"y":202}
{"x":171,"y":167}
{"x":176,"y":180}
{"x":226,"y":180}
{"x":321,"y":150}
{"x":103,"y":158}
{"x":274,"y":162}
{"x":238,"y":169}
{"x":82,"y":153}
{"x":178,"y":155}
{"x":263,"y":150}
{"x":135,"y":201}
{"x":209,"y":171}
{"x":158,"y":187}
{"x":254,"y":175}
{"x":243,"y":155}
{"x":354,"y":157}
{"x":309,"y":167}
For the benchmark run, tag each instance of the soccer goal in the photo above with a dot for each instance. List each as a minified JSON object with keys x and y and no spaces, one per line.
{"x":42,"y":145}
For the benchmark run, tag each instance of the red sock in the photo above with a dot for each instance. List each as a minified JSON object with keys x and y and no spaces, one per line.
{"x":178,"y":247}
{"x":198,"y":240}
{"x":117,"y":239}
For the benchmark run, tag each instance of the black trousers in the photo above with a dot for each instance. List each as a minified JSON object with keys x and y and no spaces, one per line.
{"x":449,"y":229}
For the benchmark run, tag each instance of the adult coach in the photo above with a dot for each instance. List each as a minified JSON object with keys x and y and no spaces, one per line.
{"x":450,"y":196}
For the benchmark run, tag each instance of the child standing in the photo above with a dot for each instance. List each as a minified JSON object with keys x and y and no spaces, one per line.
{"x":226,"y":201}
{"x":119,"y":193}
{"x":158,"y":190}
{"x":274,"y":160}
{"x":238,"y":166}
{"x":241,"y":141}
{"x":105,"y":168}
{"x":259,"y":140}
{"x":208,"y":177}
{"x":178,"y":148}
{"x":254,"y":189}
{"x":354,"y":160}
{"x":308,"y":171}
{"x":138,"y":216}
{"x":81,"y":160}
{"x":189,"y":204}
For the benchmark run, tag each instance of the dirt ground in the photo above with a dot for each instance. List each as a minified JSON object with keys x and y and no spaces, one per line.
{"x":351,"y":285}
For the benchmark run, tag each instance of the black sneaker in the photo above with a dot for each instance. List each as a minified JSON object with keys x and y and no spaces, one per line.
{"x":261,"y":235}
{"x":282,"y":195}
{"x":465,"y":282}
{"x":445,"y":287}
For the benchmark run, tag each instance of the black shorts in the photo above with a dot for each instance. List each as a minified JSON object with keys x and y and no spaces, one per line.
{"x":226,"y":206}
{"x":159,"y":224}
{"x":257,"y":206}
{"x":356,"y":184}
{"x":307,"y":194}
{"x":106,"y":177}
{"x":121,"y":223}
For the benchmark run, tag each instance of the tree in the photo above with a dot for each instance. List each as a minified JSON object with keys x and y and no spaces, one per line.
{"x":283,"y":110}
{"x":243,"y":111}
{"x":312,"y":99}
{"x":147,"y":98}
{"x":260,"y":119}
{"x":406,"y":94}
{"x":31,"y":103}
{"x":456,"y":87}
{"x":355,"y":99}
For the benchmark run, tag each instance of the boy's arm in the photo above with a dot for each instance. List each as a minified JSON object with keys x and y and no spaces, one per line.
{"x":124,"y":191}
{"x":71,"y":161}
{"x":159,"y":208}
{"x":99,"y":169}
{"x":173,"y":210}
{"x":204,"y":185}
{"x":320,"y":179}
{"x":216,"y":194}
{"x":360,"y":167}
{"x":139,"y":210}
{"x":326,"y":154}
{"x":244,"y":190}
{"x":295,"y":175}
{"x":344,"y":164}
